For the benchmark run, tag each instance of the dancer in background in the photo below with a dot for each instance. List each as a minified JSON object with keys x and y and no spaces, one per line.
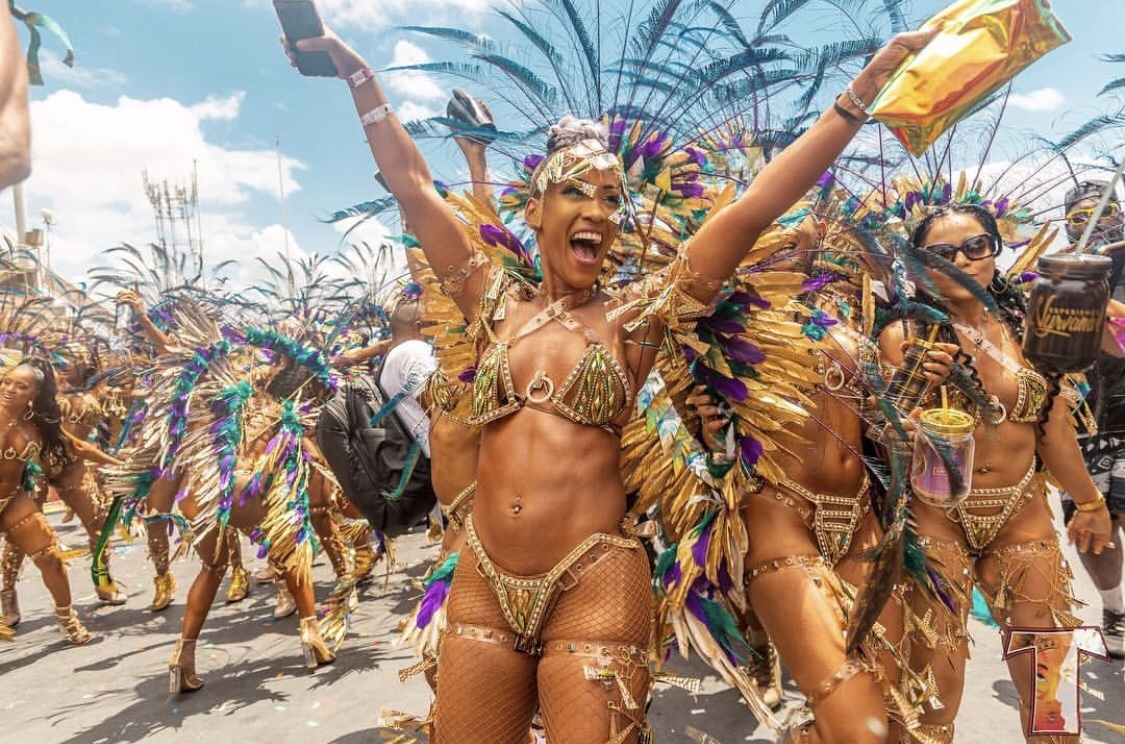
{"x":1002,"y":537}
{"x":30,"y":431}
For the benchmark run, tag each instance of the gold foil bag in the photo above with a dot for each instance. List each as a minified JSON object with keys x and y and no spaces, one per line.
{"x":982,"y":45}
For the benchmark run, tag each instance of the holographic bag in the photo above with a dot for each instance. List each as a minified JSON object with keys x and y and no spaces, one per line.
{"x":982,"y":45}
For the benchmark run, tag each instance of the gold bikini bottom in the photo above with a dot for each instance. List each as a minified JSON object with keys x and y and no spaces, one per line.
{"x":526,"y":601}
{"x":981,"y":529}
{"x":831,"y":519}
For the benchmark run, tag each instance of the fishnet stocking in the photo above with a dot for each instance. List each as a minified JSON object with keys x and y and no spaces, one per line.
{"x":923,"y":647}
{"x":611,"y":607}
{"x":234,"y":550}
{"x":1028,"y":586}
{"x":10,"y":565}
{"x":486,"y":692}
{"x":600,"y":626}
{"x":158,"y":545}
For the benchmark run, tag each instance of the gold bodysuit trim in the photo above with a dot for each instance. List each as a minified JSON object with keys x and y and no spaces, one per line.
{"x":527,"y":601}
{"x":1031,"y":392}
{"x":30,"y":450}
{"x":459,"y":508}
{"x":981,"y":529}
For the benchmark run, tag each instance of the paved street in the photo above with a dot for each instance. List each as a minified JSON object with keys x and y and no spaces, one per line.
{"x":258,"y":690}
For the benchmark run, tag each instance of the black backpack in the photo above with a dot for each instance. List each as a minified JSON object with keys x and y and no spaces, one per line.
{"x":380,"y":466}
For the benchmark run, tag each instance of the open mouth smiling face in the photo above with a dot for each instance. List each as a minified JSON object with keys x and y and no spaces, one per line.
{"x":577,"y":223}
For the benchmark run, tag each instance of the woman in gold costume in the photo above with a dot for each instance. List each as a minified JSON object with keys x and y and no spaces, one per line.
{"x":1002,"y":538}
{"x":551,"y":606}
{"x":800,"y":528}
{"x":74,"y":480}
{"x":30,"y":432}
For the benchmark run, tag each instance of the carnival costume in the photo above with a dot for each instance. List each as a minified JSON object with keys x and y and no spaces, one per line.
{"x":925,"y":623}
{"x":32,"y":533}
{"x":224,"y":441}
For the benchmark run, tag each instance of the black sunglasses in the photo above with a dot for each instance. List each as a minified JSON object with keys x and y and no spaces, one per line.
{"x":974,"y":248}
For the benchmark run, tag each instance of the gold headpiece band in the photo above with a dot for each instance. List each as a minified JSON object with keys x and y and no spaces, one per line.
{"x":570,"y":163}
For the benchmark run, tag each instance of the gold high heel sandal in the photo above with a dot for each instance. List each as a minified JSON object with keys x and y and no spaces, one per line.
{"x":111,"y":594}
{"x":71,"y":626}
{"x":181,"y":669}
{"x":316,"y":650}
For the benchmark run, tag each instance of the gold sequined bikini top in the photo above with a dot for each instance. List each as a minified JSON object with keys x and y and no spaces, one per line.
{"x":595,"y":393}
{"x":1031,"y":393}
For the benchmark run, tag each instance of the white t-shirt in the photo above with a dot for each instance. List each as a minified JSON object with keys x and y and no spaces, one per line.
{"x":406,"y":369}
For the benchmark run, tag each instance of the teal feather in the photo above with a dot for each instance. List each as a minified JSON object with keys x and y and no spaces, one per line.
{"x":442,"y":572}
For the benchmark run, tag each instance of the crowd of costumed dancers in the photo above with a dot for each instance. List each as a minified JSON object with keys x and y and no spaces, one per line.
{"x":691,"y":380}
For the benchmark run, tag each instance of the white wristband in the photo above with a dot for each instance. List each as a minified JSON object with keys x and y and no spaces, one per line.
{"x":359,"y":77}
{"x":376,"y":115}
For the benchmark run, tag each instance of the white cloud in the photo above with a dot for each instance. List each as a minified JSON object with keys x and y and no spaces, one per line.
{"x":1044,"y":99}
{"x":416,"y":85}
{"x":365,"y":15}
{"x":411,"y":110}
{"x":87,"y":165}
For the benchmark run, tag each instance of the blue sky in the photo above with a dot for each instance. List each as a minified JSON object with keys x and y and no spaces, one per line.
{"x":158,"y":84}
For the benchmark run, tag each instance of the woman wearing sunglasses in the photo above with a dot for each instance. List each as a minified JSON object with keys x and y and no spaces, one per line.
{"x":1001,"y":538}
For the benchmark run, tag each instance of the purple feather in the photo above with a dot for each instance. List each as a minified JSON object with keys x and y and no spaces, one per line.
{"x":432,"y":601}
{"x":726,"y":583}
{"x":751,"y":450}
{"x":531,"y":162}
{"x":673,"y":575}
{"x":743,"y":351}
{"x":816,"y":283}
{"x":699,"y":549}
{"x":722,"y":325}
{"x":689,"y":189}
{"x":727,"y":387}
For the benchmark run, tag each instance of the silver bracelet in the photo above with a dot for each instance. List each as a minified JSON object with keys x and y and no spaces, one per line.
{"x":376,"y":115}
{"x":851,"y":94}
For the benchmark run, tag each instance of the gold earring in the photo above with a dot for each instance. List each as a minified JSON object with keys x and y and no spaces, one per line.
{"x":29,"y":413}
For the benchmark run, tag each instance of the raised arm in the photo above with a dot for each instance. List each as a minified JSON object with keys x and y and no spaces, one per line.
{"x":722,"y":242}
{"x":159,"y":338}
{"x":15,"y":126}
{"x":407,"y":177}
{"x":475,"y":153}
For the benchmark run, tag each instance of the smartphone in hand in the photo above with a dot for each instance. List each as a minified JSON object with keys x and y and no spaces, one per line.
{"x":299,"y":20}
